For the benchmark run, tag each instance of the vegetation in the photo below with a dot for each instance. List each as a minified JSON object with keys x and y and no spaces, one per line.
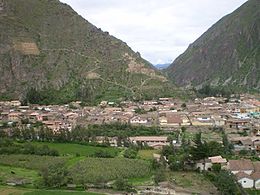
{"x":70,"y":69}
{"x":30,"y":161}
{"x":225,"y":182}
{"x":208,"y":90}
{"x":92,"y":170}
{"x":56,"y":192}
{"x":8,"y":147}
{"x":84,"y":134}
{"x":13,"y":174}
{"x":80,"y":149}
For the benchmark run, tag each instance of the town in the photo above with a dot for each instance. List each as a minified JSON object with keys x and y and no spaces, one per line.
{"x":237,"y":117}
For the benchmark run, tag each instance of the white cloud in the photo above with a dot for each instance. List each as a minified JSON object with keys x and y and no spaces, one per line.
{"x":159,"y":29}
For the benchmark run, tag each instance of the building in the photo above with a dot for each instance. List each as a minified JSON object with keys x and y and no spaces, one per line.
{"x":245,"y":180}
{"x":206,"y":165}
{"x":152,"y":141}
{"x":244,"y":165}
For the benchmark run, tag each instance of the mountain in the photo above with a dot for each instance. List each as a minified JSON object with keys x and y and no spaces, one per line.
{"x":50,"y":54}
{"x":226,"y":55}
{"x":162,"y":66}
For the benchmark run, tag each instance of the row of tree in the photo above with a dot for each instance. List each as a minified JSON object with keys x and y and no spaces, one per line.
{"x":8,"y":146}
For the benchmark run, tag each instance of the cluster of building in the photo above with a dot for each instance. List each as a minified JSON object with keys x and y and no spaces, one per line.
{"x":168,"y":114}
{"x":55,"y":117}
{"x":246,"y":172}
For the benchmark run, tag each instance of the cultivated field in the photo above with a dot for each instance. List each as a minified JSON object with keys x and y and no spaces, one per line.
{"x":93,"y":170}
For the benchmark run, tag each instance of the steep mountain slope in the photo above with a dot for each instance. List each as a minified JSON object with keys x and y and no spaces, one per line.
{"x":228,"y":54}
{"x":50,"y":54}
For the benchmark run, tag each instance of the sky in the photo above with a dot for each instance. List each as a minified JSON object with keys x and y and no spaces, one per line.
{"x":160,"y":30}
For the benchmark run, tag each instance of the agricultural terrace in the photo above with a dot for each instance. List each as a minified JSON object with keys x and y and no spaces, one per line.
{"x":93,"y":170}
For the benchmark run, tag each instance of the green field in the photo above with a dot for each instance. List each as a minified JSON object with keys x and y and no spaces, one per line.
{"x":6,"y":190}
{"x":30,"y":161}
{"x":81,"y":169}
{"x":45,"y":192}
{"x":147,"y":154}
{"x":11,"y":174}
{"x":92,"y":170}
{"x":78,"y":149}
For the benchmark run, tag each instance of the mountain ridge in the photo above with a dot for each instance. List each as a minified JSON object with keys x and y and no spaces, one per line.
{"x":227,"y":54}
{"x":49,"y":51}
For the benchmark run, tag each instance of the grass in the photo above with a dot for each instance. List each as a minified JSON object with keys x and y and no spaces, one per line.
{"x":8,"y":173}
{"x":6,"y":190}
{"x":47,"y":192}
{"x":30,"y":161}
{"x":190,"y":180}
{"x":147,"y":154}
{"x":78,"y":149}
{"x":141,"y":181}
{"x":253,"y":192}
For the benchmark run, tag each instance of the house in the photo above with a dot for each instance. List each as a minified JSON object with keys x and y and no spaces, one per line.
{"x":53,"y":125}
{"x":207,"y":164}
{"x":218,"y":121}
{"x":202,"y":121}
{"x":245,"y":180}
{"x":246,"y":172}
{"x":152,"y":141}
{"x":35,"y":116}
{"x":244,"y":144}
{"x":170,"y":119}
{"x":237,"y":123}
{"x":204,"y":165}
{"x":244,"y":165}
{"x":173,"y":119}
{"x":14,"y":116}
{"x":15,"y":103}
{"x":138,"y":120}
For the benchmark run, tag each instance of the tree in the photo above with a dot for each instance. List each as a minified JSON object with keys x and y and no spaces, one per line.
{"x":216,"y":167}
{"x":130,"y":153}
{"x":159,"y":176}
{"x":202,"y":150}
{"x":55,"y":175}
{"x":176,"y":163}
{"x":227,"y":145}
{"x":122,"y":185}
{"x":225,"y":182}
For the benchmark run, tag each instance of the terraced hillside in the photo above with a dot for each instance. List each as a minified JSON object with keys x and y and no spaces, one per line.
{"x":50,"y":54}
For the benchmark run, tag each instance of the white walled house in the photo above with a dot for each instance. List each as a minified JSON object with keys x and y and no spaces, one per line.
{"x":204,"y":165}
{"x":138,"y":120}
{"x":245,"y":180}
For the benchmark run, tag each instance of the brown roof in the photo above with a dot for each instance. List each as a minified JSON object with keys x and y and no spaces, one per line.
{"x":174,"y":118}
{"x":247,"y":142}
{"x":257,"y":166}
{"x":149,"y":138}
{"x":241,"y":165}
{"x":241,"y":175}
{"x":217,"y":159}
{"x":256,"y":175}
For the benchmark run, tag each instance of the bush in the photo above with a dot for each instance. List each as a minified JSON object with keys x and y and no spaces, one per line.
{"x":130,"y":153}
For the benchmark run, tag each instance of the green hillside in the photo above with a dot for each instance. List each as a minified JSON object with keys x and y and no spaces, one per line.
{"x":50,"y":54}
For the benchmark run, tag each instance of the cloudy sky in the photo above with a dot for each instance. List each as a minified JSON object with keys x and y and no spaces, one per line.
{"x":159,"y":29}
